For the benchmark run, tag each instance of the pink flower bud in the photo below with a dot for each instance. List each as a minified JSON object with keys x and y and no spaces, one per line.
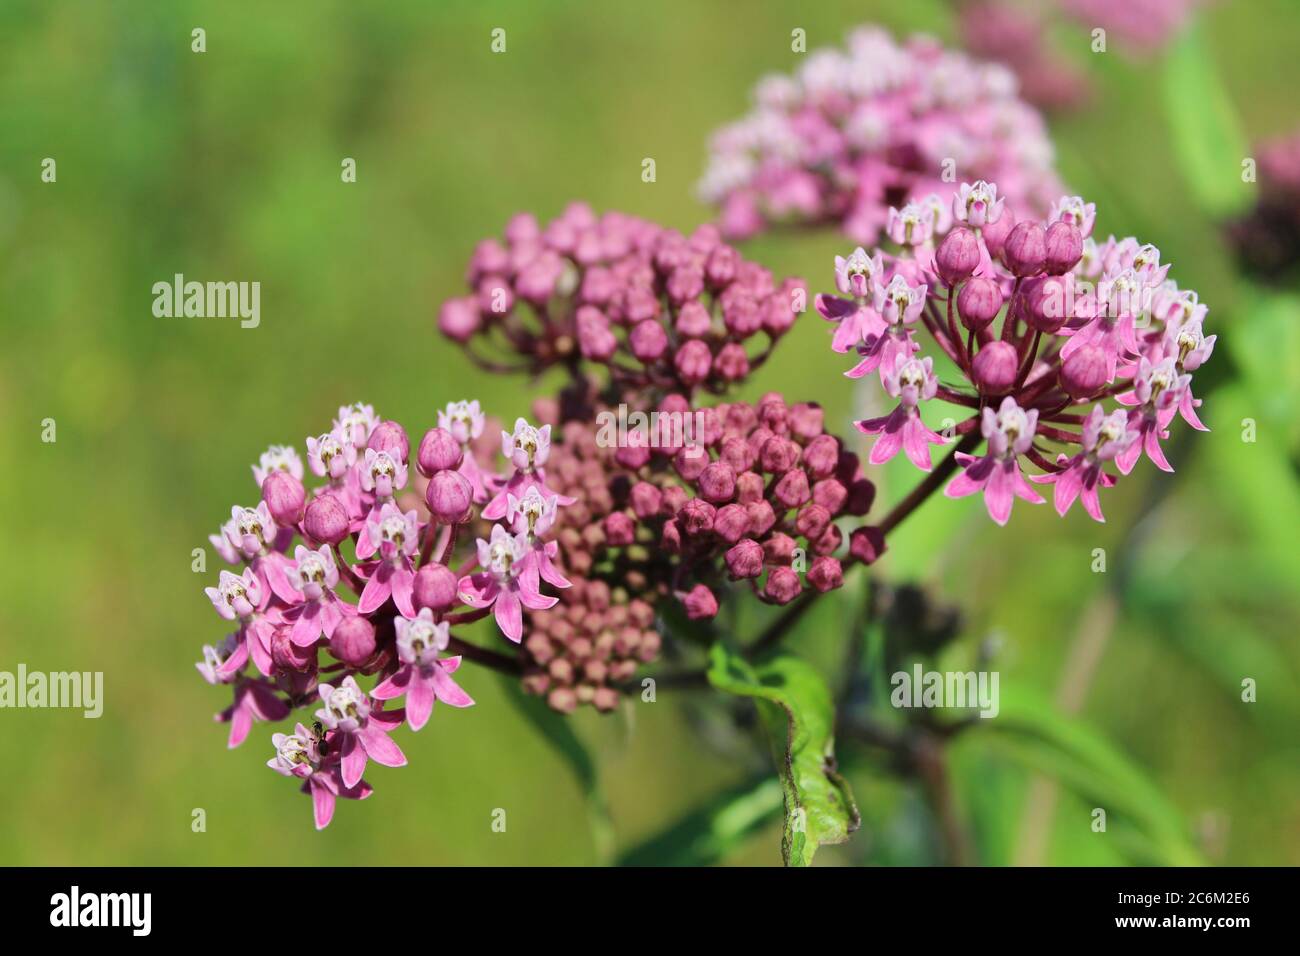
{"x":675,"y":498}
{"x":693,"y":320}
{"x":353,"y":640}
{"x":648,"y":340}
{"x":391,"y":437}
{"x":761,"y":517}
{"x":448,"y":496}
{"x":831,"y":494}
{"x":779,"y":549}
{"x":731,"y":523}
{"x":792,"y":490}
{"x":745,"y":559}
{"x":646,"y":500}
{"x":690,"y":463}
{"x":779,"y":455}
{"x":434,"y":588}
{"x":693,"y":362}
{"x":1026,"y":249}
{"x":812,"y":521}
{"x":995,"y":367}
{"x":957,"y":256}
{"x":326,"y":519}
{"x":620,"y":530}
{"x":685,"y":283}
{"x":1063,"y":247}
{"x":995,"y":234}
{"x":438,"y":451}
{"x":806,"y":421}
{"x":737,"y":453}
{"x":867,"y":544}
{"x":862,"y":495}
{"x":717,"y":482}
{"x":671,"y":539}
{"x":1044,"y":299}
{"x":700,"y":603}
{"x":782,"y":586}
{"x":459,"y":319}
{"x":821,"y":456}
{"x":635,"y":454}
{"x":721,"y":266}
{"x":562,"y":700}
{"x":595,"y":340}
{"x":732,"y":363}
{"x":284,"y":496}
{"x":773,"y":413}
{"x":979,"y":302}
{"x":288,"y":656}
{"x":749,"y":487}
{"x":1084,"y":372}
{"x":696,"y":517}
{"x":825,"y":574}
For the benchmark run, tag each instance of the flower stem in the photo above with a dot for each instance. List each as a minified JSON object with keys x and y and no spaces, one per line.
{"x":930,"y":484}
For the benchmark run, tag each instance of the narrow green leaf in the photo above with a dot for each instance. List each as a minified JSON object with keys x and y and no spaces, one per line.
{"x":798,"y":713}
{"x":1207,"y":138}
{"x":559,"y":733}
{"x":707,"y":834}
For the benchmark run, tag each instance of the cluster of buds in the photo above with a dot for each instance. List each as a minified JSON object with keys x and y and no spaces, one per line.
{"x":1081,"y":322}
{"x":856,"y":131}
{"x":401,"y":518}
{"x":745,"y":496}
{"x":657,"y":310}
{"x":1267,"y":240}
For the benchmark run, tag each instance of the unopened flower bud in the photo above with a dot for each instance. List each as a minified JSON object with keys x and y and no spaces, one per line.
{"x":459,"y":319}
{"x":957,"y":256}
{"x":1045,"y":306}
{"x":717,"y":483}
{"x":434,"y":587}
{"x":979,"y":302}
{"x":821,"y":456}
{"x":646,"y":500}
{"x":745,"y":559}
{"x":825,"y":574}
{"x":620,"y":530}
{"x":995,"y":234}
{"x":749,"y":487}
{"x":438,"y":451}
{"x":326,"y":519}
{"x":812,"y":520}
{"x":696,"y":517}
{"x":995,"y":367}
{"x":867,"y":544}
{"x":782,"y":586}
{"x":1026,"y":249}
{"x":731,"y":523}
{"x":390,"y":437}
{"x":1063,"y":247}
{"x":448,"y":496}
{"x":353,"y":640}
{"x":700,"y":603}
{"x":779,"y":549}
{"x":1084,"y":373}
{"x":648,"y":340}
{"x":284,"y":496}
{"x":792,"y":490}
{"x":693,"y":361}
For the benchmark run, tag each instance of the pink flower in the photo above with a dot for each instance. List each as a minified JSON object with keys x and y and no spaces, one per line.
{"x":381,"y":474}
{"x":504,"y":583}
{"x":328,"y":454}
{"x":465,"y":422}
{"x":899,"y":305}
{"x":299,"y":755}
{"x":315,"y":575}
{"x":361,"y":733}
{"x":527,"y":448}
{"x":1158,"y":391}
{"x":423,"y":677}
{"x":238,"y":597}
{"x":254,"y":534}
{"x":978,"y":204}
{"x":355,"y":423}
{"x":532,"y":517}
{"x":1076,"y":212}
{"x":1010,"y":433}
{"x":1104,"y":437}
{"x":911,"y":381}
{"x":277,"y":458}
{"x":396,"y":536}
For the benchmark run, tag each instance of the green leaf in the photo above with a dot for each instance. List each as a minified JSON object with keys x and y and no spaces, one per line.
{"x":1207,"y":138}
{"x":558,"y":731}
{"x":1066,"y":748}
{"x":798,"y":713}
{"x":707,"y":834}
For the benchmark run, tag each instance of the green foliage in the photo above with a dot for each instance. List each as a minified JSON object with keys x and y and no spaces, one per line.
{"x":798,"y":714}
{"x":711,"y":832}
{"x":1207,"y":137}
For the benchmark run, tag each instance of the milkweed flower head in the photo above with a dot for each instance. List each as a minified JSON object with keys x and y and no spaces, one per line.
{"x":646,"y":308}
{"x":874,"y":127}
{"x":1045,"y":324}
{"x":353,"y":579}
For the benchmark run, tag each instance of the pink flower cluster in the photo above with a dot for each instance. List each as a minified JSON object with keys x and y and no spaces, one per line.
{"x":400,"y":517}
{"x":1081,"y":322}
{"x":855,"y":131}
{"x":654,"y":308}
{"x":1142,"y":25}
{"x":1015,"y":34}
{"x":752,"y":502}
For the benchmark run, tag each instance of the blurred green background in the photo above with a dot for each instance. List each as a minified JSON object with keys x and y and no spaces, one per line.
{"x":225,"y":165}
